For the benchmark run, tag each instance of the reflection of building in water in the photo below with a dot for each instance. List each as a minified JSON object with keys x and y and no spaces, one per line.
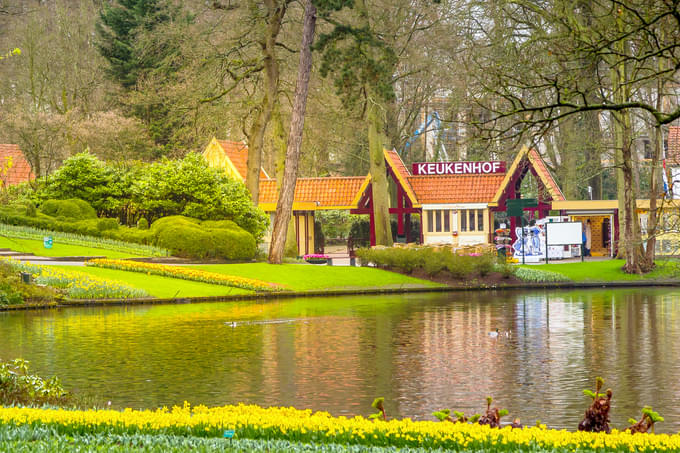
{"x":458,"y":364}
{"x":300,"y":365}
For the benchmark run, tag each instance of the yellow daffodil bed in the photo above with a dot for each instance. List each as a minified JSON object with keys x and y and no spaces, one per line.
{"x":253,"y":422}
{"x":186,"y":274}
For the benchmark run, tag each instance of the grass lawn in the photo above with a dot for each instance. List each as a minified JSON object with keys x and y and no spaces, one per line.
{"x":158,"y":286}
{"x":610,"y":270}
{"x":36,"y":247}
{"x":307,"y":277}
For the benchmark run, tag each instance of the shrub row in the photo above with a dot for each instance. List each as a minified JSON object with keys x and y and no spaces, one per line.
{"x":431,"y":260}
{"x":182,"y":236}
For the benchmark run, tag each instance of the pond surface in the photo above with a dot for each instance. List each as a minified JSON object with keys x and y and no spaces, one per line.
{"x":422,"y":352}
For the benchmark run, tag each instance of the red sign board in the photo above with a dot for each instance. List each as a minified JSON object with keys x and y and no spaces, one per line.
{"x":458,"y":168}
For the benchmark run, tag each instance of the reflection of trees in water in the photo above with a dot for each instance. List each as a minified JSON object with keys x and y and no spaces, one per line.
{"x":421,"y":352}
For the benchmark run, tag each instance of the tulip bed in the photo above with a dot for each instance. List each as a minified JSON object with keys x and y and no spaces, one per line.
{"x":77,"y":284}
{"x":293,"y":425}
{"x":186,"y":274}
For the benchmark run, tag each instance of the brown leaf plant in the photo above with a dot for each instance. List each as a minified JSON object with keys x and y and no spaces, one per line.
{"x":596,"y":418}
{"x":378,"y":403}
{"x":649,"y":417}
{"x":493,"y":416}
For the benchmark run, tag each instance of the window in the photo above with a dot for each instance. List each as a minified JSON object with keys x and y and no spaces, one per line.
{"x":439,"y":221}
{"x":472,"y":220}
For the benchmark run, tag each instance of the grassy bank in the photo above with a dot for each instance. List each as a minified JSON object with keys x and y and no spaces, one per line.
{"x":305,"y":277}
{"x":37,"y":248}
{"x":609,"y":271}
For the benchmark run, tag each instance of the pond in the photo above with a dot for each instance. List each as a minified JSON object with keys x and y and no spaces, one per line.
{"x":422,"y":352}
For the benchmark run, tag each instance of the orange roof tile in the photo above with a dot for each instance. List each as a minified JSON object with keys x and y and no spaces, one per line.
{"x":393,"y":159}
{"x":545,"y":176}
{"x":238,"y":154}
{"x":12,"y":161}
{"x":329,"y":192}
{"x":673,"y":149}
{"x":455,"y":188}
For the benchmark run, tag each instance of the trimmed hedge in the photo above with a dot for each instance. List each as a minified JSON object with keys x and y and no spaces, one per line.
{"x":191,"y":238}
{"x":431,"y":260}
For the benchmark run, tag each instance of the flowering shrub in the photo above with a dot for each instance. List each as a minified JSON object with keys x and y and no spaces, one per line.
{"x":314,"y":256}
{"x":539,"y":276}
{"x":291,"y":424}
{"x":77,"y":285}
{"x":185,"y":273}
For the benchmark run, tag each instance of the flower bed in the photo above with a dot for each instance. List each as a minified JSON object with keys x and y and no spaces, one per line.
{"x":186,"y":274}
{"x":253,"y":422}
{"x":76,"y":284}
{"x":316,"y":258}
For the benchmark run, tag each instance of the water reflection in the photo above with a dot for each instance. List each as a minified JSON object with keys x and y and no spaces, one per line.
{"x":421,"y":352}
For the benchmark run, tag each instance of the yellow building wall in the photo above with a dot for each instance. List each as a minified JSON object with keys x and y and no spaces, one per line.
{"x":217,"y":158}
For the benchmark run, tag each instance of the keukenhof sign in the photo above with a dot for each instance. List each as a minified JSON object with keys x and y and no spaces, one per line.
{"x":458,"y":168}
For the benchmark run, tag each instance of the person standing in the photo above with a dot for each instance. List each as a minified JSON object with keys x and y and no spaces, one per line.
{"x":589,"y":238}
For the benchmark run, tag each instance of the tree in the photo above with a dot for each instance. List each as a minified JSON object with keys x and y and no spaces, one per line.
{"x":138,"y":40}
{"x":363,"y":64}
{"x":535,"y":74}
{"x":284,"y":206}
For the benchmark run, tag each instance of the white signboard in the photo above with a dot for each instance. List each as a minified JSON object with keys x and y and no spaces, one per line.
{"x":564,"y":233}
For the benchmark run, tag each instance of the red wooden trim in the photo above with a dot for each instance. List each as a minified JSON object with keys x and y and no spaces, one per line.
{"x":404,"y":210}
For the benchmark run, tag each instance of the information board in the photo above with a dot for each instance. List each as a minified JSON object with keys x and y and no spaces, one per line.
{"x":564,"y":233}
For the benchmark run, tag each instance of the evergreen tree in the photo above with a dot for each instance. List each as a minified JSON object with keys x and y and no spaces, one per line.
{"x":118,"y":26}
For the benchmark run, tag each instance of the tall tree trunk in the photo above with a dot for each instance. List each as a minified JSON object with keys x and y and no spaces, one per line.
{"x":652,"y":217}
{"x":633,"y":252}
{"x":280,"y":147}
{"x":274,"y":19}
{"x":285,"y":204}
{"x":378,"y":170}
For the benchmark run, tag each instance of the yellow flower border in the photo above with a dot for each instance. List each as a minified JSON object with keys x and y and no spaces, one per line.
{"x":305,"y":426}
{"x":185,"y":274}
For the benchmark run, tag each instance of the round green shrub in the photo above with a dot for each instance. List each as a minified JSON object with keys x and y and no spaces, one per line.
{"x":68,"y":209}
{"x":171,"y":221}
{"x":188,"y":237}
{"x":233,"y":244}
{"x":186,"y":241}
{"x":142,"y":224}
{"x":107,"y":224}
{"x":220,"y":224}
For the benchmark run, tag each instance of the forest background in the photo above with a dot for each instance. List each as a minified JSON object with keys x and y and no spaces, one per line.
{"x":591,"y":83}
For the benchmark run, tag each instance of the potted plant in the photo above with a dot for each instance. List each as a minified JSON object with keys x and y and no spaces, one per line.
{"x":316,"y":258}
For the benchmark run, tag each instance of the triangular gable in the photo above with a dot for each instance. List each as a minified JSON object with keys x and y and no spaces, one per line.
{"x":396,"y":166}
{"x":528,"y":160}
{"x":393,"y":160}
{"x":14,"y":168}
{"x":231,"y":156}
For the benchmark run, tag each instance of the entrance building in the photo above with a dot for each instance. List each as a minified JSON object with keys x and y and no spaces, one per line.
{"x":458,"y":203}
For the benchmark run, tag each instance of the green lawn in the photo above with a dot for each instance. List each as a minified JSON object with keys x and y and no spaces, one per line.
{"x":36,"y":247}
{"x":610,"y":270}
{"x":158,"y":286}
{"x":306,"y":277}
